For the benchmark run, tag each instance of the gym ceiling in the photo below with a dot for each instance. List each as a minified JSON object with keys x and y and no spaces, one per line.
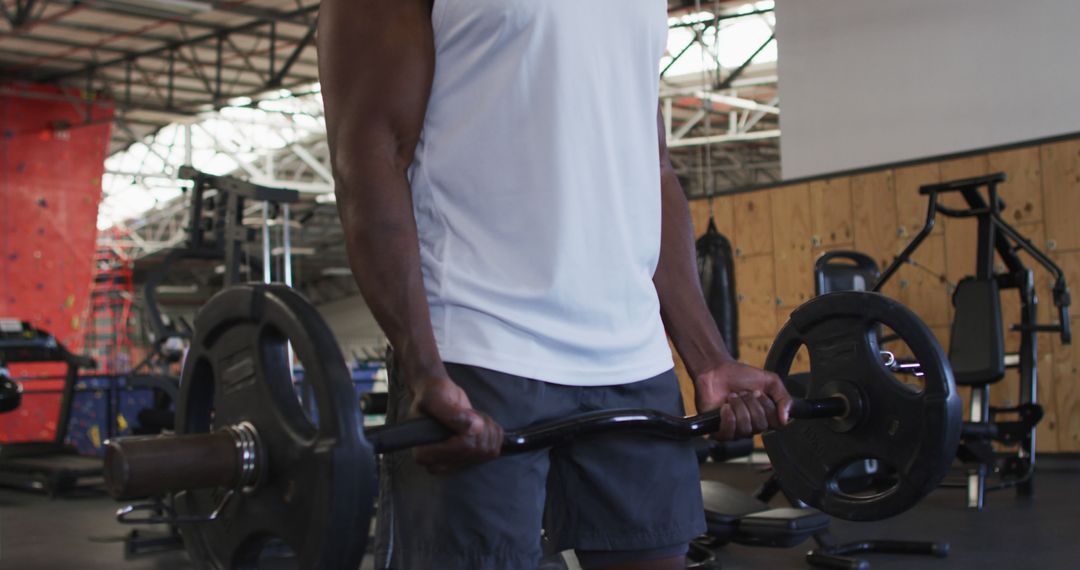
{"x":163,"y":62}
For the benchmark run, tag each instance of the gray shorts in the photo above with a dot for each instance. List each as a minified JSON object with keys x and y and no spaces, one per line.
{"x":604,"y":494}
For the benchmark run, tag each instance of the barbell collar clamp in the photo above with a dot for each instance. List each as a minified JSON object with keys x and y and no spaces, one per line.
{"x":246,"y":440}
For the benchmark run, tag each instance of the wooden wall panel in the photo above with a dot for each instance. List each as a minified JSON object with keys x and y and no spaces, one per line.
{"x":1065,"y":386}
{"x":753,"y":224}
{"x":721,"y":212}
{"x":921,"y":287}
{"x":830,"y":212}
{"x":1022,"y":192}
{"x":724,"y":213}
{"x":699,"y":216}
{"x":1061,"y":193}
{"x":1048,"y":434}
{"x":794,"y":260}
{"x":965,"y":167}
{"x":873,"y":201}
{"x":1006,"y":393}
{"x":753,"y":351}
{"x":910,"y":205}
{"x":961,"y":237}
{"x":1066,"y":391}
{"x":961,"y":243}
{"x":755,"y":283}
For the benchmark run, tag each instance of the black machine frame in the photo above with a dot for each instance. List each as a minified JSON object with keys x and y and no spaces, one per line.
{"x":996,"y":238}
{"x":215,"y":232}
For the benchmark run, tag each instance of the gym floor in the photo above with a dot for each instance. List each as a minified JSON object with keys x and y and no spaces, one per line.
{"x":80,"y":532}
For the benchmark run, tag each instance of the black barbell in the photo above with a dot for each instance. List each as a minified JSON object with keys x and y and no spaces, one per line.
{"x":249,"y":467}
{"x":232,"y":458}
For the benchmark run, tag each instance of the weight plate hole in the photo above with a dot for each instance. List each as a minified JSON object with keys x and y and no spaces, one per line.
{"x":899,"y":360}
{"x":864,"y":478}
{"x":200,"y":414}
{"x":284,"y":371}
{"x":797,"y":379}
{"x":265,"y":552}
{"x":305,"y":392}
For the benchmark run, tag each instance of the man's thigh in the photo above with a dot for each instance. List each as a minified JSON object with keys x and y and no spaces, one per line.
{"x":623,"y":492}
{"x":485,"y":516}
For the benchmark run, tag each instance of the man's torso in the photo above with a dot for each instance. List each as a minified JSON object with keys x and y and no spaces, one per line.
{"x":537,"y":188}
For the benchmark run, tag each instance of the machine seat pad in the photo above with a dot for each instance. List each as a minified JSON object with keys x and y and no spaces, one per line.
{"x":734,"y":516}
{"x":780,"y":528}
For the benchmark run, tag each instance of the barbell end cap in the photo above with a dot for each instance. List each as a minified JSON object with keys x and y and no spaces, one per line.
{"x":116,"y":472}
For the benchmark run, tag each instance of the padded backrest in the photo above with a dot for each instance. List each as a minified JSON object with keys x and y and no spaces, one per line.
{"x":977,"y":343}
{"x":716,"y":269}
{"x":845,"y":271}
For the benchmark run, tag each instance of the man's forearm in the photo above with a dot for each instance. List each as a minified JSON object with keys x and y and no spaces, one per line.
{"x":373,"y":136}
{"x":376,"y":63}
{"x":682,"y":305}
{"x":383,"y":251}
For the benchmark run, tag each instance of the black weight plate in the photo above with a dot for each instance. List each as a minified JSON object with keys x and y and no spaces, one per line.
{"x":915,"y":433}
{"x":316,"y":486}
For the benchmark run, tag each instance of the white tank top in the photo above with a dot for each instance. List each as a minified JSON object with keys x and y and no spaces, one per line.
{"x":536,"y":188}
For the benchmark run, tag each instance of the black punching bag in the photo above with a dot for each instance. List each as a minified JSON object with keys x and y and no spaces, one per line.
{"x":716,"y":268}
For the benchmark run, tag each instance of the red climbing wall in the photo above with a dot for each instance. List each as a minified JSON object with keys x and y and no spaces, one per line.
{"x":52,"y":156}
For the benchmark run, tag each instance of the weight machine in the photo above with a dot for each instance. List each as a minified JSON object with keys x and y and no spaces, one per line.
{"x":216,"y":232}
{"x":977,"y":349}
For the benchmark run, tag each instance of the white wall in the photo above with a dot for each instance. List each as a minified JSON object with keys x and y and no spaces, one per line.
{"x":353,"y":325}
{"x":868,"y":82}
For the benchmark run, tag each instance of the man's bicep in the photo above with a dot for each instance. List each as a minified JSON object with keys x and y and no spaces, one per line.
{"x":376,"y":63}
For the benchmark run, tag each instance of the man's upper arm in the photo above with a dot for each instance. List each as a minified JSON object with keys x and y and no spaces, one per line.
{"x":376,"y":62}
